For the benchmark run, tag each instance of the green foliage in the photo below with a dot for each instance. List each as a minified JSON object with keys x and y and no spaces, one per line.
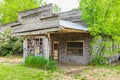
{"x":9,"y":8}
{"x":9,"y":13}
{"x":102,"y":16}
{"x":56,"y":9}
{"x":40,"y":62}
{"x":9,"y":44}
{"x":19,"y":72}
{"x":103,"y":20}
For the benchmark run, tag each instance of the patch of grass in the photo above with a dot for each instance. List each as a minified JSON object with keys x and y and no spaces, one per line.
{"x":19,"y":72}
{"x":77,"y":76}
{"x":40,"y":62}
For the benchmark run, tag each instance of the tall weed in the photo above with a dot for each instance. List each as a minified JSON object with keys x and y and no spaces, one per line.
{"x":40,"y":62}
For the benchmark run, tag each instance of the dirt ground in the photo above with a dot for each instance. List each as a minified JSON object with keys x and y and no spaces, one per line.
{"x":11,"y":60}
{"x":78,"y":71}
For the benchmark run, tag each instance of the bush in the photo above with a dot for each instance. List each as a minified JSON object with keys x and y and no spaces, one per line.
{"x":9,"y":45}
{"x":98,"y":60}
{"x":40,"y":62}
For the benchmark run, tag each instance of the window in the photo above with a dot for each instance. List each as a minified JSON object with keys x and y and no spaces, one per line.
{"x":35,"y":45}
{"x":75,"y":48}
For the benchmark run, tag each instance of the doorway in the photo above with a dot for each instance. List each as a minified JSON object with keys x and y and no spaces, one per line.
{"x":55,"y":50}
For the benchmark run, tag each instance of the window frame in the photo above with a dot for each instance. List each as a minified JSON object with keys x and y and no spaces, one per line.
{"x":75,"y":41}
{"x":35,"y":48}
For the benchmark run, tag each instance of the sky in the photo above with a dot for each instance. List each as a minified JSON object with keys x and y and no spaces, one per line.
{"x":65,"y":5}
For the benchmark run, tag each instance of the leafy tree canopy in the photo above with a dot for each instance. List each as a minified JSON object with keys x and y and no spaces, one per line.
{"x":103,"y":20}
{"x":9,"y":8}
{"x":56,"y":9}
{"x":102,"y":16}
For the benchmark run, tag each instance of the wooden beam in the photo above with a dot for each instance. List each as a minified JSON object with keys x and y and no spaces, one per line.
{"x":40,"y":32}
{"x":25,"y":54}
{"x":70,"y":30}
{"x":47,"y":46}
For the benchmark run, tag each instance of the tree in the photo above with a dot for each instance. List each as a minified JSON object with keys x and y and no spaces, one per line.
{"x":103,"y":20}
{"x":56,"y":9}
{"x":9,"y":13}
{"x":9,"y":45}
{"x":9,"y":8}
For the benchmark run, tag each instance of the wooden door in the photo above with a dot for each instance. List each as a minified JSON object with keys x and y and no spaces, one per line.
{"x":56,"y":50}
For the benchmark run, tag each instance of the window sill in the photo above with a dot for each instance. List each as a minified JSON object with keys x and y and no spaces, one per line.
{"x":73,"y":55}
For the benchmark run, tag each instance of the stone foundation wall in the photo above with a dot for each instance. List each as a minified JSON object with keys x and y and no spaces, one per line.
{"x":63,"y":38}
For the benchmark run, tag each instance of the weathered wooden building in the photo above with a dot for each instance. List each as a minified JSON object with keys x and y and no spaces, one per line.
{"x":62,"y":37}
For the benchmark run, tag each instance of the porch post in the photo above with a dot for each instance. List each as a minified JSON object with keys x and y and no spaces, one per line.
{"x":24,"y":48}
{"x":47,"y":48}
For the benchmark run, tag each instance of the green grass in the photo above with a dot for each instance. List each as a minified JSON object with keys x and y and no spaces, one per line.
{"x":19,"y":72}
{"x":40,"y":62}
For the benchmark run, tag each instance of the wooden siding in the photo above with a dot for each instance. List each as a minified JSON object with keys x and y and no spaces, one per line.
{"x":35,"y":14}
{"x":6,"y":26}
{"x":38,"y":25}
{"x":73,"y":16}
{"x":39,"y":20}
{"x":36,"y":32}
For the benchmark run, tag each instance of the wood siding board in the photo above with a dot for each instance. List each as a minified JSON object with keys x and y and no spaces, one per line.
{"x":36,"y":32}
{"x":35,"y":14}
{"x":24,"y":48}
{"x":45,"y":23}
{"x":37,"y":10}
{"x":70,"y":13}
{"x":74,"y":16}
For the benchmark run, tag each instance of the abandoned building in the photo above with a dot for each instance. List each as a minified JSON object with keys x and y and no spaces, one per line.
{"x":63,"y":37}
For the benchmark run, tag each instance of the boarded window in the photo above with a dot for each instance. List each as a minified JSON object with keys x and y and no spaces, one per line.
{"x":75,"y":48}
{"x":35,"y":45}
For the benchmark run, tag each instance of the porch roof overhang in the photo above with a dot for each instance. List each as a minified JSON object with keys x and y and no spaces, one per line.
{"x":62,"y":27}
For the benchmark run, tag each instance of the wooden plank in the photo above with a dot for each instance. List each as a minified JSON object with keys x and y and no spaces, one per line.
{"x":73,"y":16}
{"x":37,"y":10}
{"x":70,"y":14}
{"x":35,"y":14}
{"x":46,"y":48}
{"x":43,"y":24}
{"x":36,"y":32}
{"x":7,"y":26}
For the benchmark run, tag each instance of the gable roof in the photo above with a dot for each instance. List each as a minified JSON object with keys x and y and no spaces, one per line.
{"x":42,"y":21}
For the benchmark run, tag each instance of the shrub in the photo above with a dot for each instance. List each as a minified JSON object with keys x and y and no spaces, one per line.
{"x":40,"y":62}
{"x":8,"y":44}
{"x":98,"y":60}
